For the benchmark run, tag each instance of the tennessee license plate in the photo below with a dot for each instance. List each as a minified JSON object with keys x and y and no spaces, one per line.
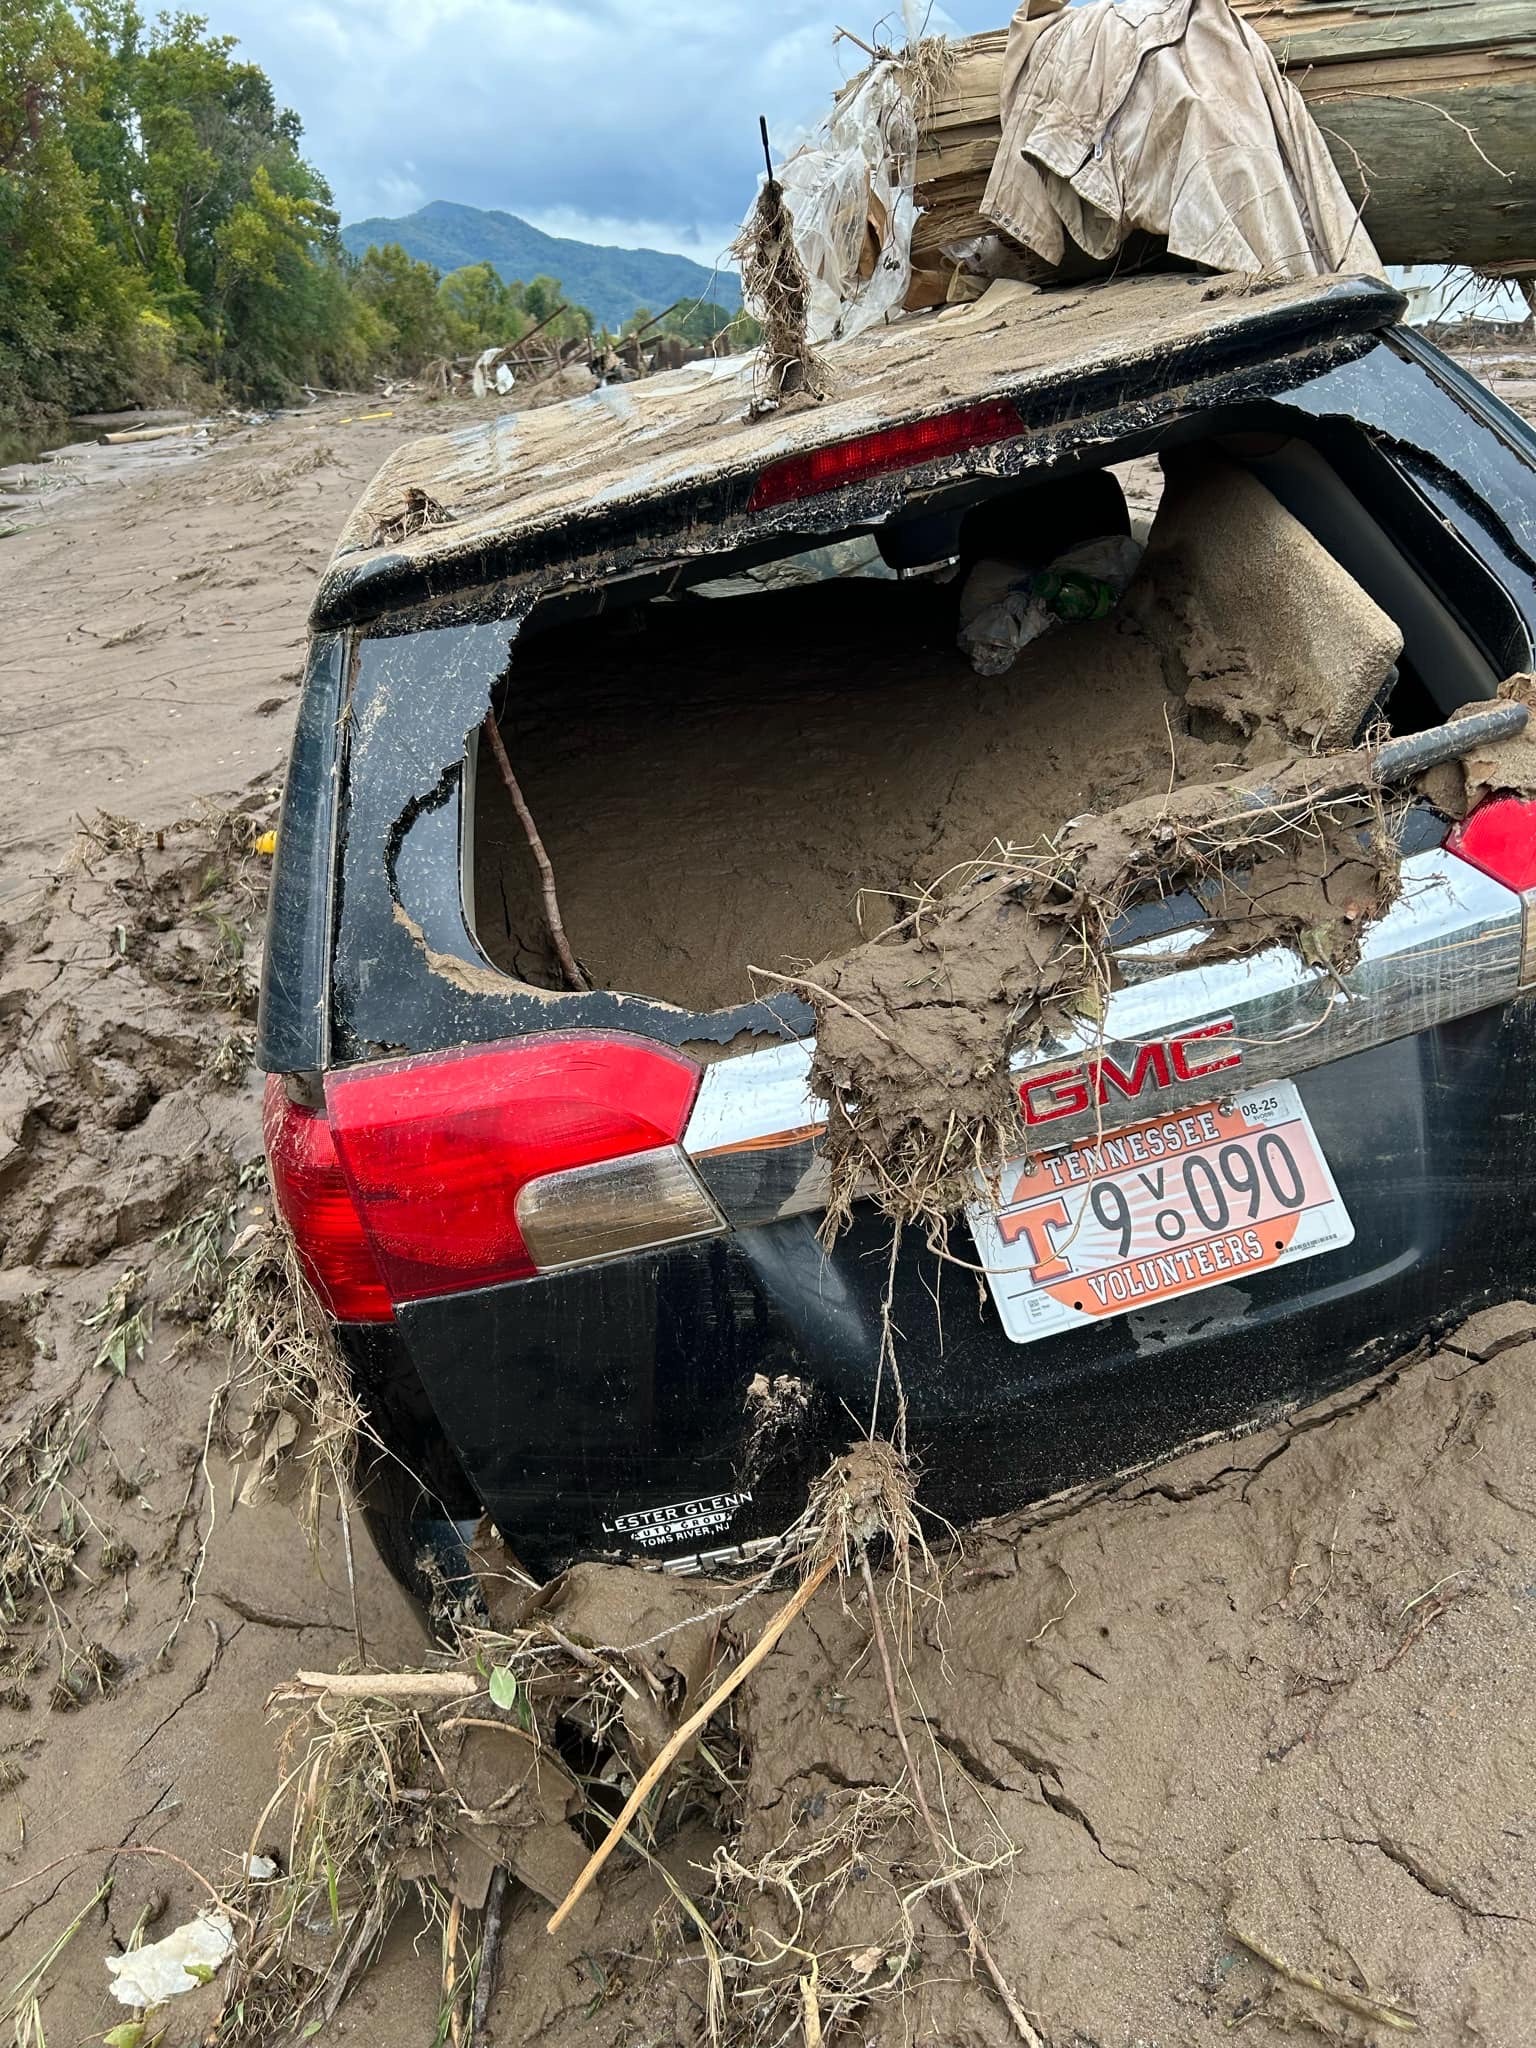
{"x":1199,"y":1199}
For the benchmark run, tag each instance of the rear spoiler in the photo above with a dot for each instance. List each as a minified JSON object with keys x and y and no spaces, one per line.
{"x":676,"y":466}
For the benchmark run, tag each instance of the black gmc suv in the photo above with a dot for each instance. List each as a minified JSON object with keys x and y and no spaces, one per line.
{"x":688,"y":665}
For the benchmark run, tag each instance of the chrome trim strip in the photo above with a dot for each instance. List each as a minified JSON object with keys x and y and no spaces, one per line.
{"x":1449,"y":946}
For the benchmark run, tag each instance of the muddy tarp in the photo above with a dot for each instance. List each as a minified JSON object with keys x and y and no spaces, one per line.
{"x":1168,"y":116}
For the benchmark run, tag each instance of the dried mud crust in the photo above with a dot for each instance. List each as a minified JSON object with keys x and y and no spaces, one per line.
{"x":914,"y":1030}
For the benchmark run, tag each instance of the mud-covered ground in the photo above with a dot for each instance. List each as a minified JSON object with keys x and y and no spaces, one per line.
{"x":1276,"y":1693}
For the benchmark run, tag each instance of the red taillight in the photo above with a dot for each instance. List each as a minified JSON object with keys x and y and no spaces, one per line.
{"x":436,"y":1148}
{"x":851,"y":462}
{"x":1500,"y":838}
{"x":315,"y":1202}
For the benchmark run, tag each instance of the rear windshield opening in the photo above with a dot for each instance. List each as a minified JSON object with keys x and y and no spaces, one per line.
{"x":762,"y":770}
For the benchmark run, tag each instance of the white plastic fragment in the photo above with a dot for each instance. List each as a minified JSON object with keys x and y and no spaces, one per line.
{"x":849,"y":191}
{"x":186,"y":1958}
{"x":1006,"y":605}
{"x":260,"y":1868}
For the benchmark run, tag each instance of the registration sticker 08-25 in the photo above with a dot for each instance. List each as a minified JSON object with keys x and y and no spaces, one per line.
{"x":1158,"y":1209}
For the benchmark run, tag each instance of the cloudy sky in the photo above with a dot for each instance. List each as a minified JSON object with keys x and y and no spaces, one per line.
{"x":630,"y":121}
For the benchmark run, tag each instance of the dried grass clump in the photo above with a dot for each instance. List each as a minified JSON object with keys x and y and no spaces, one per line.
{"x":866,"y":1498}
{"x":103,"y":835}
{"x":383,"y":1785}
{"x":44,"y":1526}
{"x":805,"y":1878}
{"x":927,"y":69}
{"x":775,"y":285}
{"x":303,"y":1412}
{"x":406,"y":1786}
{"x":366,"y":1797}
{"x":258,"y":480}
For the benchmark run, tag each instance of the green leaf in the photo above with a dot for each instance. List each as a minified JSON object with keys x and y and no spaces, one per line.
{"x":312,"y":2028}
{"x":203,"y":1972}
{"x":503,"y":1689}
{"x":129,"y":2035}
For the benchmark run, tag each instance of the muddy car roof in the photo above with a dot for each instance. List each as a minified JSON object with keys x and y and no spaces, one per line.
{"x":507,"y":494}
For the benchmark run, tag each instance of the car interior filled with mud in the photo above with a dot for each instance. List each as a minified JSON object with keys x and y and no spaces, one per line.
{"x":988,"y":905}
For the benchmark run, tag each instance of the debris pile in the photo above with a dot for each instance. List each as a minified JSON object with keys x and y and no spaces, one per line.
{"x":1246,"y":138}
{"x":506,"y":1761}
{"x":934,"y":1807}
{"x":1427,"y":118}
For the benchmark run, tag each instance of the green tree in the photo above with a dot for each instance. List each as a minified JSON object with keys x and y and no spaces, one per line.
{"x":200,"y":188}
{"x":404,"y":294}
{"x":479,"y":309}
{"x":68,"y":306}
{"x":159,"y":220}
{"x":543,"y":300}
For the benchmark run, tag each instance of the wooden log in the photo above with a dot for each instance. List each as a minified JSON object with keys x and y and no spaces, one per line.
{"x":1428,"y":110}
{"x":137,"y":434}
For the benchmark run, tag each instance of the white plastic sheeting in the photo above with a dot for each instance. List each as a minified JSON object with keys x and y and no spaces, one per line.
{"x":849,"y":194}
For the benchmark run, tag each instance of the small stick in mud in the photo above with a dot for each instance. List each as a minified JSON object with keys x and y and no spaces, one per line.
{"x":574,"y":977}
{"x":451,"y":1971}
{"x":952,"y":1891}
{"x":490,"y":1950}
{"x":391,"y":1685}
{"x":799,"y":981}
{"x":1352,"y":2001}
{"x":794,"y":1605}
{"x":346,"y":1546}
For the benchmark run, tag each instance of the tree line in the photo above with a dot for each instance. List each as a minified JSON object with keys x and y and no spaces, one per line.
{"x":161,"y":230}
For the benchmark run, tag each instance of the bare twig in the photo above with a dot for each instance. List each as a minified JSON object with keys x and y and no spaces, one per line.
{"x":952,"y":1892}
{"x":451,"y":1972}
{"x":827,"y":996}
{"x":795,"y":1605}
{"x":1352,"y":2001}
{"x":346,"y":1545}
{"x":847,"y":35}
{"x":490,"y":1947}
{"x":391,"y":1685}
{"x":574,"y":977}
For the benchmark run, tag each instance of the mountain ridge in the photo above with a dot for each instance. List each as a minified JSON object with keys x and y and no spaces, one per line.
{"x":611,"y":281}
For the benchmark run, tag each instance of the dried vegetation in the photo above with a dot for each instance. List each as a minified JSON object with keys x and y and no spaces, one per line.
{"x":537,"y":1731}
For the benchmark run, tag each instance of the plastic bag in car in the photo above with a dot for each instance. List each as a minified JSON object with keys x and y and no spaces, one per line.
{"x":1006,"y":605}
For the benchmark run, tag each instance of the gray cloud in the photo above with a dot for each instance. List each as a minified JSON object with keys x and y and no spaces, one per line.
{"x":618,"y":120}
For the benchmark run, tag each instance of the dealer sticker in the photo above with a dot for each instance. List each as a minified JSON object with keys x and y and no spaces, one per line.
{"x":1158,"y":1209}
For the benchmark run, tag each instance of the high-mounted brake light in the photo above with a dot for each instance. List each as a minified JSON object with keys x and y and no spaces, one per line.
{"x":315,"y":1202}
{"x":1499,"y":837}
{"x":891,"y":448}
{"x":491,"y":1164}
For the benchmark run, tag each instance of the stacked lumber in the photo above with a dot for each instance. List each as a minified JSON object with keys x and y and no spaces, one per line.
{"x":1428,"y":108}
